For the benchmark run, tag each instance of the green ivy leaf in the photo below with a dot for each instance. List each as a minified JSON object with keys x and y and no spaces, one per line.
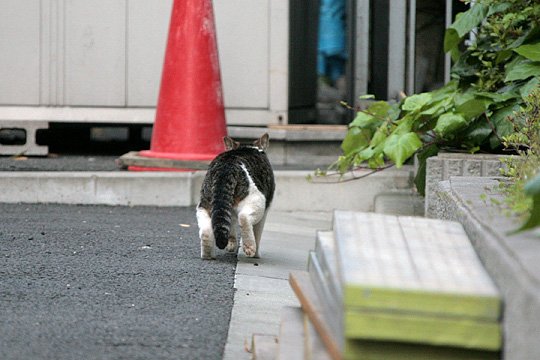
{"x":379,"y":137}
{"x":376,"y":161}
{"x":399,"y":148}
{"x":530,"y":51}
{"x":421,"y":157}
{"x":364,"y":120}
{"x":522,"y":71}
{"x":503,"y":56}
{"x":416,"y":102}
{"x":526,"y":89}
{"x":500,"y":120}
{"x":532,"y":188}
{"x":473,"y":107}
{"x":476,"y":133}
{"x":497,"y":8}
{"x":470,"y":19}
{"x":463,"y":24}
{"x":379,"y":108}
{"x":365,"y":154}
{"x":451,"y":42}
{"x":449,"y":123}
{"x":356,"y":138}
{"x":436,"y":109}
{"x":498,"y":97}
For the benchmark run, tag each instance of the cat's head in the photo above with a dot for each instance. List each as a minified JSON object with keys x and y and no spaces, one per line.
{"x":260,"y":144}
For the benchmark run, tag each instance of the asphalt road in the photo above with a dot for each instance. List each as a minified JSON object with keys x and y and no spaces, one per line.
{"x":98,"y":282}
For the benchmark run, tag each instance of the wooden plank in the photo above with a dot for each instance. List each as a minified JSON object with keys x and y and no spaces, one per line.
{"x":302,"y":287}
{"x":411,"y":264}
{"x":264,"y":347}
{"x":134,"y":159}
{"x":443,"y":331}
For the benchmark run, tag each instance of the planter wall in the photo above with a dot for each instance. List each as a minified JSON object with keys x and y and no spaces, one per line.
{"x":513,"y":261}
{"x":445,"y":165}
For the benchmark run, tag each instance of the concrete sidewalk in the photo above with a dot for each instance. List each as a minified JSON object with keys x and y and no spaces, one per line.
{"x":262,"y":287}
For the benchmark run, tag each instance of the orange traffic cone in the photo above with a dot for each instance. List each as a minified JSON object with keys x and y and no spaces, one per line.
{"x":190,"y":116}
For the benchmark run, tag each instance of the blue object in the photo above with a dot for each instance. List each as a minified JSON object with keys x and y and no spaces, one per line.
{"x":332,"y":51}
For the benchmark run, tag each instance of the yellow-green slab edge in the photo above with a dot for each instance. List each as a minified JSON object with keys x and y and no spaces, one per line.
{"x":464,"y":333}
{"x":447,"y":304}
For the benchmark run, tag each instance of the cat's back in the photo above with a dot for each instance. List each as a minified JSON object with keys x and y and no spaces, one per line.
{"x":259,"y":169}
{"x":235,"y":163}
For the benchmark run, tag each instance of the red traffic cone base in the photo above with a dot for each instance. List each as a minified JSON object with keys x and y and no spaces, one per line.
{"x":190,"y":116}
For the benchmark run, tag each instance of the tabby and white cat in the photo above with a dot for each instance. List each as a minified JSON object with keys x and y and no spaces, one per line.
{"x":238,"y":187}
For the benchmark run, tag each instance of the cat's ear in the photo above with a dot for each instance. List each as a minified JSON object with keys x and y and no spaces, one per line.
{"x":230,"y":144}
{"x":263,"y":142}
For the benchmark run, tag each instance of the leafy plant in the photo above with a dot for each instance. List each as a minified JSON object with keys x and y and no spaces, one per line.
{"x":532,"y":189}
{"x":491,"y":77}
{"x":523,"y":192}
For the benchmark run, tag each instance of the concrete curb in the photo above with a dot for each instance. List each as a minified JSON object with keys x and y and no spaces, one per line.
{"x":99,"y":188}
{"x":294,"y":192}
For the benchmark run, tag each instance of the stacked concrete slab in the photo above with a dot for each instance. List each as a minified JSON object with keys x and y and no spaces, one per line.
{"x":383,"y":287}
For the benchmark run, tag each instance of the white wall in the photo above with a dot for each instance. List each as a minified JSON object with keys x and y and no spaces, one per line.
{"x":108,"y":54}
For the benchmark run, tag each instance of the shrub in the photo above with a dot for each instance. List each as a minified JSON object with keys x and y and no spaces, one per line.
{"x":491,"y":78}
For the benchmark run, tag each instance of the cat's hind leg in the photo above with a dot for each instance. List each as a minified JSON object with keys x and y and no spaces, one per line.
{"x":257,"y":232}
{"x":206,"y":235}
{"x":232,"y":245}
{"x":248,"y":237}
{"x":250,"y":211}
{"x":247,"y":217}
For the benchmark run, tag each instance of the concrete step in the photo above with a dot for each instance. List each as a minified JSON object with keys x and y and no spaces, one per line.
{"x":291,"y":334}
{"x":405,"y":202}
{"x":298,"y":339}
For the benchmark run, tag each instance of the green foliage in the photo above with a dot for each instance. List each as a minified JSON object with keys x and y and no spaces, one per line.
{"x":532,"y":189}
{"x":522,"y":193}
{"x":491,"y":77}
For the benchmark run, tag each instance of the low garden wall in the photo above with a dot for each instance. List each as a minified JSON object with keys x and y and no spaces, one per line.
{"x":513,"y":260}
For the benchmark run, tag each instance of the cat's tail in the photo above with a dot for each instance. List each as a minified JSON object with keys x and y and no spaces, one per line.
{"x":222,"y":207}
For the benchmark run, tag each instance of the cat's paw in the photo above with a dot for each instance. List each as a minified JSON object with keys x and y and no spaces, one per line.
{"x":231,"y":247}
{"x":207,"y":257}
{"x":250,"y":250}
{"x":207,"y":253}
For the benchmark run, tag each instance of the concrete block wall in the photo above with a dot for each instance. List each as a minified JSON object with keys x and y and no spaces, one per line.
{"x":445,"y":165}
